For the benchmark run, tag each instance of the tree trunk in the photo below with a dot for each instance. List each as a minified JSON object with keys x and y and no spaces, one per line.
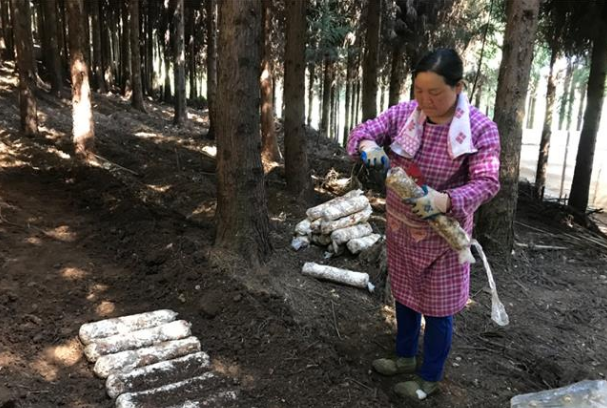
{"x":97,"y":50}
{"x":333,"y":114}
{"x":40,"y":36}
{"x":349,"y":98}
{"x":580,"y":112}
{"x":53,"y":62}
{"x":530,"y":112}
{"x":86,"y":40}
{"x":167,"y":48}
{"x":370,"y":74}
{"x":242,"y":211}
{"x":149,"y":49}
{"x":269,"y":145}
{"x":7,"y":26}
{"x":106,"y":46}
{"x":496,"y":219}
{"x":311,"y":80}
{"x":191,"y":54}
{"x":179,"y":64}
{"x":565,"y":97}
{"x":570,"y":100}
{"x":398,"y":72}
{"x":542,"y":160}
{"x":82,"y":113}
{"x":211,"y":64}
{"x":61,"y":38}
{"x":580,"y":185}
{"x":26,"y":66}
{"x":126,"y":50}
{"x":326,"y":96}
{"x":357,"y":107}
{"x":296,"y":159}
{"x":137,"y":100}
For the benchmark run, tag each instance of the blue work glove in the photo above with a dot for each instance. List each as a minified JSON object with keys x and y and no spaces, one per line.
{"x":375,"y":157}
{"x":430,"y":204}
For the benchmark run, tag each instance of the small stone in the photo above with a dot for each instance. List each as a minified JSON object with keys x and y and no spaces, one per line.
{"x":458,"y":358}
{"x":181,"y":298}
{"x":238,"y":298}
{"x":197,"y":287}
{"x":603,"y":277}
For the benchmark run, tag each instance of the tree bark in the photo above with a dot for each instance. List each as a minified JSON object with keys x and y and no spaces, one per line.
{"x":333,"y":114}
{"x":580,"y":112}
{"x":179,"y":64}
{"x":570,"y":100}
{"x":269,"y":145}
{"x":53,"y":61}
{"x":106,"y":45}
{"x":62,"y":38}
{"x":137,"y":96}
{"x":296,"y":159}
{"x":126,"y":55}
{"x":211,"y":63}
{"x":398,"y":72}
{"x":370,"y":74}
{"x":311,"y":80}
{"x":22,"y":24}
{"x":191,"y":53}
{"x":348,"y":96}
{"x":83,"y":127}
{"x":496,"y":219}
{"x":149,"y":48}
{"x":7,"y":26}
{"x":580,"y":185}
{"x":326,"y":96}
{"x":542,"y":159}
{"x":242,"y":212}
{"x":565,"y":97}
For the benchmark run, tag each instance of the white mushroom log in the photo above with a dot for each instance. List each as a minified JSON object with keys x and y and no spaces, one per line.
{"x":148,"y":375}
{"x":360,"y":244}
{"x":345,"y":208}
{"x":219,"y":399}
{"x":109,"y":327}
{"x":448,"y":228}
{"x":341,"y":236}
{"x":131,"y":359}
{"x":137,"y":339}
{"x":316,"y":212}
{"x":196,"y":385}
{"x":303,"y":227}
{"x":353,"y":219}
{"x":352,"y":278}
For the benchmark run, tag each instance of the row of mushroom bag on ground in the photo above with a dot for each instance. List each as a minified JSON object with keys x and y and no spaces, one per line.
{"x":338,"y":224}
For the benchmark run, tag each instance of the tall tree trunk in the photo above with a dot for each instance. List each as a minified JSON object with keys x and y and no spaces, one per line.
{"x":191,"y":53}
{"x":126,"y":50}
{"x":63,"y":24}
{"x":496,"y":219}
{"x":531,"y":105}
{"x":311,"y":80}
{"x":106,"y":45}
{"x":570,"y":100}
{"x":332,"y":114}
{"x":168,"y":50}
{"x":61,"y":27}
{"x":580,"y":112}
{"x":398,"y":73}
{"x":52,"y":59}
{"x":7,"y":26}
{"x":242,"y":211}
{"x":565,"y":97}
{"x":40,"y":36}
{"x":149,"y":48}
{"x":22,"y":24}
{"x":179,"y":64}
{"x":542,"y":159}
{"x":357,"y":105}
{"x":269,"y":145}
{"x":326,"y":96}
{"x":296,"y":159}
{"x":137,"y":100}
{"x":370,"y":63}
{"x":349,"y":74}
{"x":83,"y":127}
{"x":580,"y":185}
{"x":97,"y":51}
{"x":86,"y":40}
{"x":211,"y":63}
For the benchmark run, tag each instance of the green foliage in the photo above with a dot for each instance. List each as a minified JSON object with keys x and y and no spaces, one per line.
{"x":328,"y":26}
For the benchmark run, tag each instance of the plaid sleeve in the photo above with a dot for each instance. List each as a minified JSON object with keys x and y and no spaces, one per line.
{"x":483,"y":175}
{"x":380,"y":130}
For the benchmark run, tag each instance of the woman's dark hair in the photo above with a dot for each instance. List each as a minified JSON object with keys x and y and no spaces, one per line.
{"x":444,"y":62}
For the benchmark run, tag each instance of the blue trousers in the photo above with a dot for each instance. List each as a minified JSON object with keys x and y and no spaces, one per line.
{"x":437,"y":340}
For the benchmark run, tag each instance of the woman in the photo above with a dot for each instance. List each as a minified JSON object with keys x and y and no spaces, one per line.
{"x":453,"y":151}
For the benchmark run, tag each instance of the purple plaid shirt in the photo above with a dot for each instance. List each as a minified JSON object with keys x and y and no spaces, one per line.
{"x":424,"y":271}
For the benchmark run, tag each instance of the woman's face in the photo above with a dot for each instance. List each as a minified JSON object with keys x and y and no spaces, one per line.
{"x":435,"y":97}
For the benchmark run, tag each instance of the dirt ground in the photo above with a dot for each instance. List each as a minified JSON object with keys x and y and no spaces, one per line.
{"x":82,"y":243}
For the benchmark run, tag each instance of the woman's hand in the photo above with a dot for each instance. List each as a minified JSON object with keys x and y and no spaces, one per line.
{"x":373,"y":155}
{"x":430,"y":204}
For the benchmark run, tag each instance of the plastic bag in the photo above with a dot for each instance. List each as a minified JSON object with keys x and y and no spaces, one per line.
{"x":584,"y":394}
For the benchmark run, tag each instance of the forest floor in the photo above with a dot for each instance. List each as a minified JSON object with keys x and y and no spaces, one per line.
{"x":80,"y":243}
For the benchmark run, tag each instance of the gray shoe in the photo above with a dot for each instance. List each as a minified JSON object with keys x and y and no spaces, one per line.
{"x":400,"y":365}
{"x":418,"y":389}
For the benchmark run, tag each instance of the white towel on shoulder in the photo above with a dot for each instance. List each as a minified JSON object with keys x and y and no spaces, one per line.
{"x":409,"y":138}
